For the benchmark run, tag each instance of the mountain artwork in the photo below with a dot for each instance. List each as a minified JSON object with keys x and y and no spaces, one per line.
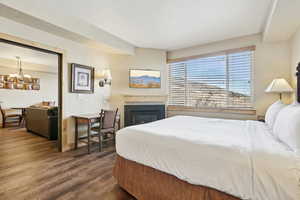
{"x":144,"y":79}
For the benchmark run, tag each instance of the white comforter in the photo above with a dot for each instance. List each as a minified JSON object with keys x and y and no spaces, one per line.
{"x":240,"y":158}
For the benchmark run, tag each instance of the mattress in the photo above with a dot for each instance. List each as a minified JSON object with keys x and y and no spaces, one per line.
{"x":240,"y":158}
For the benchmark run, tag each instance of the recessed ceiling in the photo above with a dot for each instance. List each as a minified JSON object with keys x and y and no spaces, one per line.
{"x":283,"y":21}
{"x":165,"y":24}
{"x":173,"y":24}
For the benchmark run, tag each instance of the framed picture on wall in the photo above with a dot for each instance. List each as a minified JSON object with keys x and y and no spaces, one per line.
{"x":82,"y":78}
{"x":144,"y":78}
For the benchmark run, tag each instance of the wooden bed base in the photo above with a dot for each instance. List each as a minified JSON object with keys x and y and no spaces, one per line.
{"x":146,"y":183}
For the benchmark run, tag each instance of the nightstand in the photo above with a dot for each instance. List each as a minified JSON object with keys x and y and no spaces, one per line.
{"x":261,"y":118}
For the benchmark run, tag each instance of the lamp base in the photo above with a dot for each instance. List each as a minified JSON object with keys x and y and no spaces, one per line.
{"x":104,"y":82}
{"x":101,"y":83}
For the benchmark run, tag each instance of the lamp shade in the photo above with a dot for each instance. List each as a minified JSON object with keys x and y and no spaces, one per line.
{"x":105,"y":74}
{"x":279,"y":85}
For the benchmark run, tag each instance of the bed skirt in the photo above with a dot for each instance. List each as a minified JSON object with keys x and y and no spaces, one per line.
{"x":146,"y":183}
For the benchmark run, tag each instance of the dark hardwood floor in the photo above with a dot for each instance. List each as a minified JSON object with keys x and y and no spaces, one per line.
{"x":31,"y":168}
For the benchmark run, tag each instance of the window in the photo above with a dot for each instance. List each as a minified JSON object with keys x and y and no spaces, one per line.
{"x":221,"y":81}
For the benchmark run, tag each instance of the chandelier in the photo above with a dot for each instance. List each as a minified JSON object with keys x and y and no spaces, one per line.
{"x":20,"y":76}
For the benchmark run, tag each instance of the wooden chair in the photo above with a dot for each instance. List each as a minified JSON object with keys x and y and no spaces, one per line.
{"x":107,"y":127}
{"x":10,"y":118}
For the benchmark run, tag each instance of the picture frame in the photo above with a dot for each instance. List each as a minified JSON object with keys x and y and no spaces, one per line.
{"x":82,"y":79}
{"x":144,"y":78}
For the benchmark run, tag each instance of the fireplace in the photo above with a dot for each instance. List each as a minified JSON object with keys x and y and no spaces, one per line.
{"x":140,"y":114}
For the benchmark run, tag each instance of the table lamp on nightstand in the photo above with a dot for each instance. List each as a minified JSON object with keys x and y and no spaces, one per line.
{"x":280,"y":86}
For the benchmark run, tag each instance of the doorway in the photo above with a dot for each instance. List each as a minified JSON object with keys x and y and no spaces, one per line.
{"x":36,"y":74}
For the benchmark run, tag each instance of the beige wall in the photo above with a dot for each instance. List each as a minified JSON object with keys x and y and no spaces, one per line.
{"x":119,"y":64}
{"x":295,"y":55}
{"x":271,"y":61}
{"x":143,"y":59}
{"x":72,"y":103}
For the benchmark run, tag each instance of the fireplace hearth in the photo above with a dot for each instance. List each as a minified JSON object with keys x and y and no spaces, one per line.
{"x":140,"y":114}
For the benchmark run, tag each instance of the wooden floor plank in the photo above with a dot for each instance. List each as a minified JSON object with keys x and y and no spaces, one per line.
{"x":32,"y":168}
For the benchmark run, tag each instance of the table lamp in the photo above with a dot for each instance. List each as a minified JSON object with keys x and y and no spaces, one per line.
{"x":280,"y":86}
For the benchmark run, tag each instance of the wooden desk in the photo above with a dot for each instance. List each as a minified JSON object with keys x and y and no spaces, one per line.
{"x":88,"y":119}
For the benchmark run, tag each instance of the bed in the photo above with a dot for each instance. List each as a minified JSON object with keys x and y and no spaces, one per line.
{"x":186,"y":158}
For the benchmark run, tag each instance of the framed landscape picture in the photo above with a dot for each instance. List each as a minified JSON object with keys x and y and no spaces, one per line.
{"x":139,"y":78}
{"x":82,"y":80}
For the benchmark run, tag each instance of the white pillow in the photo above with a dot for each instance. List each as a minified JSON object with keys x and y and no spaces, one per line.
{"x":287,"y":126}
{"x":272,"y":113}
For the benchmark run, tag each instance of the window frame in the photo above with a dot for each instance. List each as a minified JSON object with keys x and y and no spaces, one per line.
{"x":225,"y":53}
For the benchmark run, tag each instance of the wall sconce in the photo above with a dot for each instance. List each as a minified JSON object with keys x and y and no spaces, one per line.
{"x":105,"y":77}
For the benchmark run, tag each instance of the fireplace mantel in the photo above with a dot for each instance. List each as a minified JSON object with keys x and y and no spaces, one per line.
{"x":148,"y":99}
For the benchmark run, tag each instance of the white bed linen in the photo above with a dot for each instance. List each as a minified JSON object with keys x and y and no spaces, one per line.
{"x":237,"y":157}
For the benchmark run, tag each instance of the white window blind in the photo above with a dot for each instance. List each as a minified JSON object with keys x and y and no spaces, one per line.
{"x":223,"y":81}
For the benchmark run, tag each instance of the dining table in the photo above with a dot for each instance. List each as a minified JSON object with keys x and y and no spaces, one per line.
{"x":23,"y":109}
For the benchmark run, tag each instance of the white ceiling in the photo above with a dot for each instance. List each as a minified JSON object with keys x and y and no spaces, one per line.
{"x":163,"y":24}
{"x":31,"y":59}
